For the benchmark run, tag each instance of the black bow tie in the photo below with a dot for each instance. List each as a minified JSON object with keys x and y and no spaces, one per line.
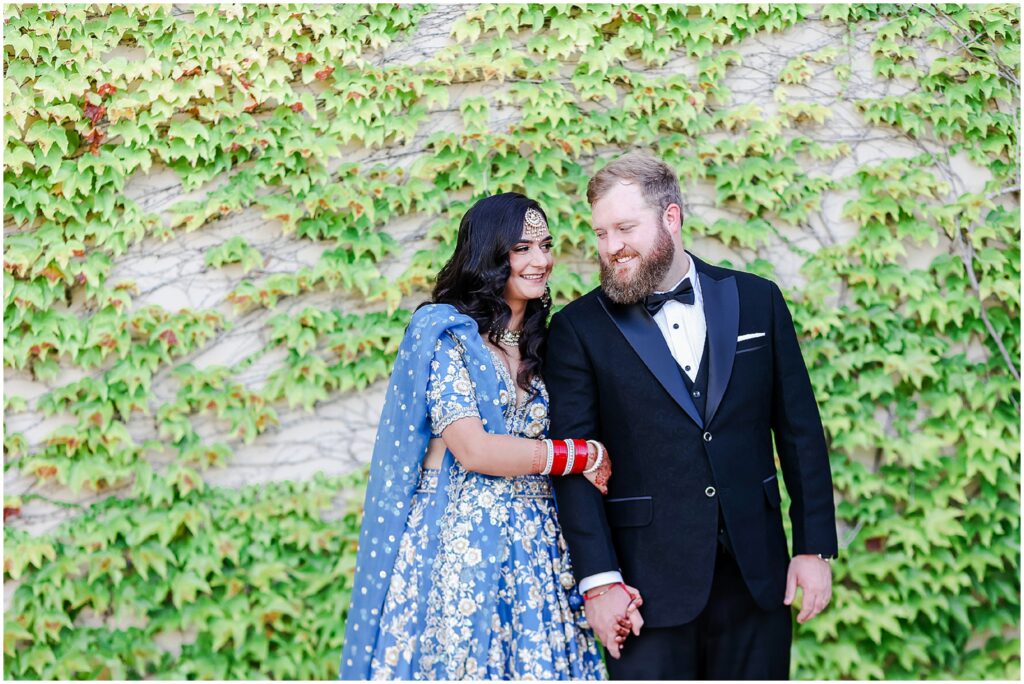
{"x":683,"y":293}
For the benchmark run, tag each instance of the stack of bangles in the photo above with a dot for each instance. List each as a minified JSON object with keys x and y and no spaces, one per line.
{"x":570,"y":456}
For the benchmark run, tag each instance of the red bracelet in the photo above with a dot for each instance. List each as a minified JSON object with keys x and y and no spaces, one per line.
{"x":561,"y":457}
{"x":610,"y":587}
{"x":582,"y":456}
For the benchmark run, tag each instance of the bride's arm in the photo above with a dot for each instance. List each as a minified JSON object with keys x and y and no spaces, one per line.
{"x":506,"y":456}
{"x":502,"y":455}
{"x":454,"y":415}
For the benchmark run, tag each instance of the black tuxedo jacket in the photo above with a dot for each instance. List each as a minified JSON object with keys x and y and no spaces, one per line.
{"x":611,"y":377}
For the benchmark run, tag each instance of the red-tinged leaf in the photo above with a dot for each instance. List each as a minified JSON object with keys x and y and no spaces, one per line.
{"x":324,"y":73}
{"x":94,"y":112}
{"x":106,"y":89}
{"x":95,"y":136}
{"x":46,"y":471}
{"x":297,"y":107}
{"x":52,"y":273}
{"x":304,"y":57}
{"x":169,"y":337}
{"x":194,"y":71}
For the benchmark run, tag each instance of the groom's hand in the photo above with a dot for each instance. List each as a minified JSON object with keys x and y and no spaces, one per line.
{"x":814,"y":577}
{"x":608,"y":612}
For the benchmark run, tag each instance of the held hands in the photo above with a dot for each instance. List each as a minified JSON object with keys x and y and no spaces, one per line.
{"x":814,"y":576}
{"x":613,"y":612}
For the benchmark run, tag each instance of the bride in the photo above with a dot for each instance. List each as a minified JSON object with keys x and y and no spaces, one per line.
{"x":462,"y":572}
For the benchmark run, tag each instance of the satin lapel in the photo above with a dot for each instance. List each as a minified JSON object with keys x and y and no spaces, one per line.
{"x":722,"y":314}
{"x":645,"y":337}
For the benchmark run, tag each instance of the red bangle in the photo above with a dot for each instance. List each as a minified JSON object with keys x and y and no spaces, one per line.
{"x":561,"y":457}
{"x":582,"y":456}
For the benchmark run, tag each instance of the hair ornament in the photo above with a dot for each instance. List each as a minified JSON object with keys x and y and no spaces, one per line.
{"x":535,"y":224}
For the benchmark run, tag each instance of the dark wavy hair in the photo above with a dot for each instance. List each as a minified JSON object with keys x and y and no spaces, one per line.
{"x":473,"y":280}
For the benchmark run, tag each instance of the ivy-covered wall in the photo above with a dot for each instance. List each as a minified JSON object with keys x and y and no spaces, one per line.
{"x":217,"y":221}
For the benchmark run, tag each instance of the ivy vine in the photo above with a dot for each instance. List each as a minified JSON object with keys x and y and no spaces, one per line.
{"x":314,"y":118}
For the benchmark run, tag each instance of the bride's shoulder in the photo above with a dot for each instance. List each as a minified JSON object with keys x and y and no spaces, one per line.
{"x":442,"y":323}
{"x":432,"y":315}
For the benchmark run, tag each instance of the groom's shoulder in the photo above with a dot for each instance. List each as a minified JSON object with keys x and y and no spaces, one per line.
{"x":583,"y":305}
{"x":582,"y":308}
{"x":745,"y":281}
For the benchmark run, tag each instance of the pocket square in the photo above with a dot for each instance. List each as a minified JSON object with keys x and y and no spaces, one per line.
{"x":749,"y":336}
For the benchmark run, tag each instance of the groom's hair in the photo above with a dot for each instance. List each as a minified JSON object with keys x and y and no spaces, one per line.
{"x":658,"y":183}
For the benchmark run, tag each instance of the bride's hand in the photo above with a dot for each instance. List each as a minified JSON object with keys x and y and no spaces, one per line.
{"x":599,"y":478}
{"x":632,"y":617}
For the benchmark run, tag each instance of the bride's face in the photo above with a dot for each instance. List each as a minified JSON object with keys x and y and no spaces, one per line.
{"x":530,"y":261}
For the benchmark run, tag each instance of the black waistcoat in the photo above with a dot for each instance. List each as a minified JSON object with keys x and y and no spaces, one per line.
{"x":698,"y":389}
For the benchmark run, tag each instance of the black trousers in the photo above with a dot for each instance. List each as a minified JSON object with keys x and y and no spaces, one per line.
{"x":732,"y":638}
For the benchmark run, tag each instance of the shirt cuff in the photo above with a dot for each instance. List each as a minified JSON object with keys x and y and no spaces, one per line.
{"x":600,"y":579}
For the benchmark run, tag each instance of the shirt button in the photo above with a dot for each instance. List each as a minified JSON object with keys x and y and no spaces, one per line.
{"x":709,"y":492}
{"x":676,"y":326}
{"x":707,"y":436}
{"x":687,"y":368}
{"x":696,"y":394}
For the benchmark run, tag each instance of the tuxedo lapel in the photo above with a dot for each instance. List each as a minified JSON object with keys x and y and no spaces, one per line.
{"x":722,"y":315}
{"x":645,"y":337}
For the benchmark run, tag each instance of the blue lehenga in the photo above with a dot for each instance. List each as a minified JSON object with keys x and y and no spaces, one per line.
{"x":479,"y":582}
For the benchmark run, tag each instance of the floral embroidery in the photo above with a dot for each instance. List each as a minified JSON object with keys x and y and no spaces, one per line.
{"x":431,"y":619}
{"x":450,"y":392}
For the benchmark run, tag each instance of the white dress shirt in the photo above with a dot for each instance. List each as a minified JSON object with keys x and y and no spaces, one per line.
{"x":684,"y":329}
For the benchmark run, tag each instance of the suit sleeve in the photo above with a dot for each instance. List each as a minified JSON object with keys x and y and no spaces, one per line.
{"x":574,"y":415}
{"x":800,"y":440}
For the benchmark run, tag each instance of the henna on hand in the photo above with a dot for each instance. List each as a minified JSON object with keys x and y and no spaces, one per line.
{"x":538,"y":457}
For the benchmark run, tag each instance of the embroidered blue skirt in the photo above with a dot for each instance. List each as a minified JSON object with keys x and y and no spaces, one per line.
{"x":432,"y":618}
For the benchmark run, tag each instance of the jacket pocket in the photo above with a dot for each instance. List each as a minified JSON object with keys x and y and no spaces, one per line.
{"x":771,"y":491}
{"x":755,"y":347}
{"x":634,"y":511}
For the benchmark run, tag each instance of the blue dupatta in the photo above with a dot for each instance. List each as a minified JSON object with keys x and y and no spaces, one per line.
{"x":403,"y":435}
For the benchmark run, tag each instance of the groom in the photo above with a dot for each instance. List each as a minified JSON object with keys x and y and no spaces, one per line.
{"x":686,"y":372}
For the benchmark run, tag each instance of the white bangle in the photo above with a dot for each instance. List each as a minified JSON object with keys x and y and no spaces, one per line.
{"x":570,"y":460}
{"x":551,"y":457}
{"x":600,"y":456}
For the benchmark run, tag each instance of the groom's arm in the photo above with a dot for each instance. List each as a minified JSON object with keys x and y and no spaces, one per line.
{"x":572,"y":389}
{"x":800,"y":440}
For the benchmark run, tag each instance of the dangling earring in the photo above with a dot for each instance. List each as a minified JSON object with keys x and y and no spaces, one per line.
{"x":546,"y":299}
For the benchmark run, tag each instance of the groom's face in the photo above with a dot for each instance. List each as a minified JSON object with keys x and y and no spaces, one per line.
{"x":635,"y":247}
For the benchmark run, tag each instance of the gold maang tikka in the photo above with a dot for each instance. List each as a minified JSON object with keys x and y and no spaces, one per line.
{"x":535,"y":224}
